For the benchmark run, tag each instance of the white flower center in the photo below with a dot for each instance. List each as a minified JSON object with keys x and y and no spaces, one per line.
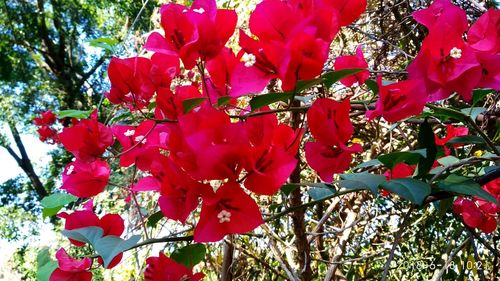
{"x":248,"y":59}
{"x":129,"y":133}
{"x":140,"y":139}
{"x":199,"y":11}
{"x":456,"y":53}
{"x":224,"y":216}
{"x":70,"y":170}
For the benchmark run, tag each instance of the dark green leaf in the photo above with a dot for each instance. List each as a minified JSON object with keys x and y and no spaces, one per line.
{"x":189,"y":104}
{"x":189,"y":255}
{"x":444,"y":114}
{"x":88,"y":234}
{"x":154,"y":219}
{"x":372,"y":85}
{"x":362,"y":181}
{"x":480,"y":94}
{"x":426,"y":141}
{"x":223,"y":100}
{"x":370,"y":163}
{"x":409,"y":157}
{"x":53,"y":203}
{"x":302,"y":85}
{"x":448,"y":160}
{"x":410,"y":189}
{"x":267,"y":99}
{"x":443,"y":206}
{"x":467,"y":140}
{"x":333,"y":77}
{"x":72,"y":113}
{"x":466,"y":186}
{"x":288,"y":188}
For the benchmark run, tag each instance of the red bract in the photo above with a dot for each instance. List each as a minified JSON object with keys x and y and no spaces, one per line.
{"x":273,"y":158}
{"x":179,"y":192}
{"x":328,"y":159}
{"x":47,"y":134}
{"x":441,"y":10}
{"x":347,"y":10}
{"x":400,"y":170}
{"x":85,"y":179}
{"x":70,"y":269}
{"x":162,"y":268}
{"x":473,"y":216}
{"x":329,"y":121}
{"x":348,"y":62}
{"x":198,"y":32}
{"x":398,"y":100}
{"x":46,"y":118}
{"x":141,"y":144}
{"x":483,"y":35}
{"x":87,"y":140}
{"x":219,"y":147}
{"x":445,"y":62}
{"x":227,"y":211}
{"x":451,"y":132}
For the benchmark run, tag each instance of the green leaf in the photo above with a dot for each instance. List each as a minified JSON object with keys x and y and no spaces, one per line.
{"x":444,"y":114}
{"x":370,"y":163}
{"x":466,"y":186}
{"x":154,"y":219}
{"x":426,"y":141}
{"x":43,"y":257}
{"x":43,"y":273}
{"x":362,"y":181}
{"x":318,"y":193}
{"x":409,"y":157}
{"x":410,"y":189}
{"x":480,"y":94}
{"x":189,"y":255}
{"x":467,"y":140}
{"x":88,"y":234}
{"x":288,"y":188}
{"x":302,"y":85}
{"x":473,"y":112}
{"x":72,"y":113}
{"x":223,"y":100}
{"x":372,"y":85}
{"x":448,"y":160}
{"x":108,"y":247}
{"x":189,"y":104}
{"x":104,"y":43}
{"x":267,"y":99}
{"x":333,"y":77}
{"x":55,"y":202}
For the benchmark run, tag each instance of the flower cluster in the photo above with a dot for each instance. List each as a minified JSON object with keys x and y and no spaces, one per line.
{"x":46,"y":132}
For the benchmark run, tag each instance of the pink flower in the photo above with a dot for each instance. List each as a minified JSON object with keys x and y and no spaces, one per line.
{"x":85,"y":179}
{"x":163,"y":268}
{"x":348,"y":62}
{"x":441,"y":10}
{"x":46,"y":118}
{"x":70,"y":268}
{"x":398,"y":100}
{"x":227,"y":211}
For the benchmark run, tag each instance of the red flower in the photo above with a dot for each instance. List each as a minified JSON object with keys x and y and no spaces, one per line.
{"x":329,"y":121}
{"x":357,"y":61}
{"x":198,"y":32}
{"x":328,"y":160}
{"x":473,"y":216}
{"x":483,"y":35}
{"x":227,"y":211}
{"x":441,"y":10}
{"x":162,"y":268}
{"x":85,"y":179}
{"x":141,"y":144}
{"x":451,"y":132}
{"x":398,"y":100}
{"x":169,"y":105}
{"x":87,"y":140}
{"x":46,"y":118}
{"x":70,"y":268}
{"x":347,"y":10}
{"x":47,"y":134}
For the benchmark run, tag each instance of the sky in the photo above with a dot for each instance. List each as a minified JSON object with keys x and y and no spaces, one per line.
{"x":37,"y":151}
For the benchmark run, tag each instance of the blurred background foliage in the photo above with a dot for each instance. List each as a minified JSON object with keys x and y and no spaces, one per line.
{"x":54,"y":55}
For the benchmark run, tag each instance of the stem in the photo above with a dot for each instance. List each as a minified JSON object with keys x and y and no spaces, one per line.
{"x":226,"y":274}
